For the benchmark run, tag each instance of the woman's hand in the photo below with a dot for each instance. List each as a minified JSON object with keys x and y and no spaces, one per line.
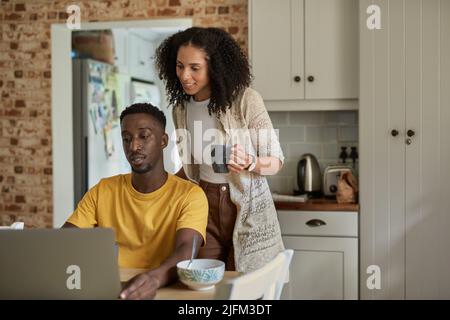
{"x":239,"y":159}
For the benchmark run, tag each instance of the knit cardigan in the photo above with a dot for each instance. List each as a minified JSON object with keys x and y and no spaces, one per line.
{"x":256,"y":236}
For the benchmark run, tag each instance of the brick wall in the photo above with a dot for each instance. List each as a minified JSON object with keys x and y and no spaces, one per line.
{"x":25,"y":86}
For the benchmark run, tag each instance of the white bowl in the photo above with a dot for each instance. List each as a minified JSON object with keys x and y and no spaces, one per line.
{"x":203,"y":274}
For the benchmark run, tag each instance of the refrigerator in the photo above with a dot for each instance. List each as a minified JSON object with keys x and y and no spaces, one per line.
{"x":99,"y":96}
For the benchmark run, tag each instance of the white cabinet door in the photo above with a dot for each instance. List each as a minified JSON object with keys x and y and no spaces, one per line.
{"x":134,"y":60}
{"x":382,"y":155}
{"x":141,"y":62}
{"x":121,"y":49}
{"x":405,"y":81}
{"x":276,"y":48}
{"x":427,"y":156}
{"x":322,"y":268}
{"x":147,"y":54}
{"x":304,"y":49}
{"x":331,"y":49}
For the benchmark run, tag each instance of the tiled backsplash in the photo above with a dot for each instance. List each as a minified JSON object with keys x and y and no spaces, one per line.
{"x":321,"y":133}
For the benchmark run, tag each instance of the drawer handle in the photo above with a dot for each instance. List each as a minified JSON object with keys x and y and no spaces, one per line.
{"x":315,"y":223}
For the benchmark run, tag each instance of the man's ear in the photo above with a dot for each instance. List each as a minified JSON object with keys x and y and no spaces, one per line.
{"x":164,"y":140}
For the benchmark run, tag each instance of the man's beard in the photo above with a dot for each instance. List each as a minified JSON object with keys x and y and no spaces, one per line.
{"x":142,"y":170}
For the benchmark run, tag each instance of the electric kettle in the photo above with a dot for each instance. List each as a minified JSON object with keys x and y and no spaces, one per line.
{"x":309,"y":178}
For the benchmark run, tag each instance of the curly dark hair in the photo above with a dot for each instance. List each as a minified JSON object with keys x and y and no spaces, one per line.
{"x":228,"y":67}
{"x":147,"y":108}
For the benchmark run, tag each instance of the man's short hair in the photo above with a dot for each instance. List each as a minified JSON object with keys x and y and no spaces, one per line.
{"x":147,"y":108}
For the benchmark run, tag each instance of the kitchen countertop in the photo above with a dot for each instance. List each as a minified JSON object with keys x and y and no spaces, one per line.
{"x":321,"y":204}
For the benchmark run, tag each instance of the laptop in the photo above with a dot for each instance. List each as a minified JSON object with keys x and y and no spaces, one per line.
{"x":67,"y":263}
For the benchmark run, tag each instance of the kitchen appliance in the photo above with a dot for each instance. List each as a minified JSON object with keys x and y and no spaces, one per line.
{"x":331,"y":176}
{"x":309,"y":176}
{"x":99,"y":96}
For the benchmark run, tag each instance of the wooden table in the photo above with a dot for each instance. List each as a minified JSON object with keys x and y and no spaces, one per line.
{"x":177,"y":291}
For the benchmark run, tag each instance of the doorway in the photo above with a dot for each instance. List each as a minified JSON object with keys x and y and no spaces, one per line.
{"x":62,"y":103}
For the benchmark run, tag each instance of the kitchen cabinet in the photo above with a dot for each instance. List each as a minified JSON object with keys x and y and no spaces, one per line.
{"x":405,"y":150}
{"x":141,"y":58}
{"x":121,"y":50}
{"x":305,"y":51}
{"x":325,"y":261}
{"x":134,"y":55}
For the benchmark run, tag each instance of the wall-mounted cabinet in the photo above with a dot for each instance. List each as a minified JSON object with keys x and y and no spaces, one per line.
{"x":121,"y":49}
{"x":140,"y":59}
{"x":134,"y":55}
{"x":304,"y":53}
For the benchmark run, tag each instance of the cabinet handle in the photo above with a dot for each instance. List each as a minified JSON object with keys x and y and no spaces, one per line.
{"x":297,"y":79}
{"x":311,"y":79}
{"x":410,"y":133}
{"x":315,"y":223}
{"x":394,"y":133}
{"x":141,"y":63}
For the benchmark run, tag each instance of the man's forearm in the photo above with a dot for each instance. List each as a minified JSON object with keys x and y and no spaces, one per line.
{"x":167,"y":271}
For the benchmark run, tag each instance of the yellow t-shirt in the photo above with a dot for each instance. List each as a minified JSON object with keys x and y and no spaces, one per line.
{"x":145,"y":224}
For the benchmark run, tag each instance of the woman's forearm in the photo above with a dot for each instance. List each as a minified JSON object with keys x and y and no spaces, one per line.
{"x":267,"y":166}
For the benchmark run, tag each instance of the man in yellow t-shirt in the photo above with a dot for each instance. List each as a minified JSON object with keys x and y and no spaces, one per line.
{"x":155,"y":215}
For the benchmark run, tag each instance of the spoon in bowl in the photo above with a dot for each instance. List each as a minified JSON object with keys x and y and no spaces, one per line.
{"x":194,"y":248}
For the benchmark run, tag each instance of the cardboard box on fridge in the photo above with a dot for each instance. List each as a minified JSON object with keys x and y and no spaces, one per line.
{"x":98,"y":45}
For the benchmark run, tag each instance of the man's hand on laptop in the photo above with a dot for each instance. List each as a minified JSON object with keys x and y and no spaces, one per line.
{"x":142,"y":286}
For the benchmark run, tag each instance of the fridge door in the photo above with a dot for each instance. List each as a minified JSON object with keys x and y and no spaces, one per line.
{"x":105,"y":153}
{"x":100,"y":95}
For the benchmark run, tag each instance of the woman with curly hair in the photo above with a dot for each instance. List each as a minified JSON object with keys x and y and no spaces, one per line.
{"x":204,"y":69}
